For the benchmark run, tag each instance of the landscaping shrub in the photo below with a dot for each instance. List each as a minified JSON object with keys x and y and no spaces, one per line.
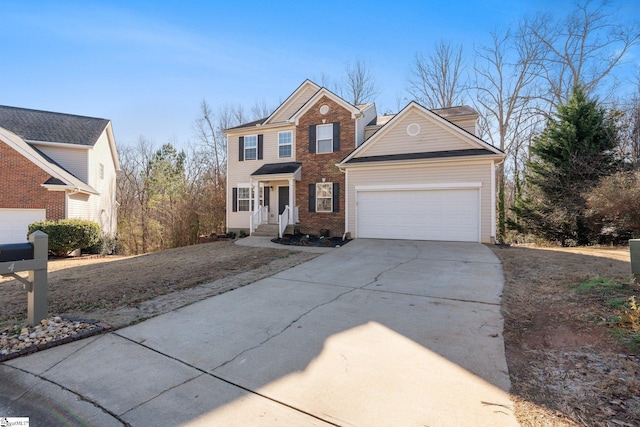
{"x":614,"y":204}
{"x":67,"y":235}
{"x":107,"y":245}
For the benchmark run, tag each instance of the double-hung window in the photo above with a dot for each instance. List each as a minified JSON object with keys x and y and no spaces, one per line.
{"x":285,"y":140}
{"x":244,"y":199}
{"x":324,"y":138}
{"x":251,"y":147}
{"x":324,"y":197}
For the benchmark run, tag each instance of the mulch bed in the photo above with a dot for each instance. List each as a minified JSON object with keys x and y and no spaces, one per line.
{"x":309,"y":240}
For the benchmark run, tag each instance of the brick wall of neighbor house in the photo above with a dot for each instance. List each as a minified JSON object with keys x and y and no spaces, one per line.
{"x":318,"y":166}
{"x":16,"y":172}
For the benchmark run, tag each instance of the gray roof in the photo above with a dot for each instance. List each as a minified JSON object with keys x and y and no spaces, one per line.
{"x":46,"y":126}
{"x":427,"y":155}
{"x":250,"y":124}
{"x":458,"y":111}
{"x":277,"y":168}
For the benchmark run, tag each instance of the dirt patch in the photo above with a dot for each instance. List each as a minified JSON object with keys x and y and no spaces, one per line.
{"x":566,"y":367}
{"x":122,"y":290}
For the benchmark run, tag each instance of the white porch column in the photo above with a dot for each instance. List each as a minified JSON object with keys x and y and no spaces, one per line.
{"x":256,"y":195}
{"x":292,"y":192}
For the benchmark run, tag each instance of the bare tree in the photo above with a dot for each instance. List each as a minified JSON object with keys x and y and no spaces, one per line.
{"x":134,"y":195}
{"x":359,"y":86}
{"x":436,"y":80}
{"x":260,"y":110}
{"x":211,"y":137}
{"x":628,"y":119}
{"x":584,"y":48}
{"x":505,"y":74}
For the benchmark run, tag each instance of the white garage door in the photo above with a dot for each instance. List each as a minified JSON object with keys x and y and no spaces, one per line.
{"x":447,"y":214}
{"x":14,"y":223}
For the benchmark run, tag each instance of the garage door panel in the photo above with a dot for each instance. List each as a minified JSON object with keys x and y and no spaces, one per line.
{"x":14,"y":223}
{"x":451,"y":215}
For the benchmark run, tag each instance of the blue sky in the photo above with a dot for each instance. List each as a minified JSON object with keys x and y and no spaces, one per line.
{"x":147,"y":65}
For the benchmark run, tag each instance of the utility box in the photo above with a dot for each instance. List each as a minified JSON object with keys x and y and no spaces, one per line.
{"x":634,"y":248}
{"x":16,"y":252}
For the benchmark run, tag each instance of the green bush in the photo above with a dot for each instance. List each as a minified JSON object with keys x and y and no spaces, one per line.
{"x":67,"y":235}
{"x":107,"y":245}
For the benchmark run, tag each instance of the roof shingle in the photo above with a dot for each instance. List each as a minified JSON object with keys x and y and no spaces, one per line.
{"x":46,"y":126}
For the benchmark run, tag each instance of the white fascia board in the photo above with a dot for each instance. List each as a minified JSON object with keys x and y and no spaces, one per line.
{"x":112,"y":146}
{"x":29,"y":153}
{"x":277,"y":177}
{"x":399,"y":163}
{"x":70,"y":189}
{"x":355,"y":111}
{"x":257,"y":128}
{"x":429,"y":114}
{"x":307,"y":82}
{"x":59,"y":144}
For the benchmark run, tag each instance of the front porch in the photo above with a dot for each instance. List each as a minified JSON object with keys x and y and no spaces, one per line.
{"x":273,"y":190}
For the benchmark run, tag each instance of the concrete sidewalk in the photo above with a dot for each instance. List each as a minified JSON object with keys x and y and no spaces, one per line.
{"x":375,"y":333}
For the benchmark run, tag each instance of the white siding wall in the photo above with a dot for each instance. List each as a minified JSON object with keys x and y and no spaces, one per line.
{"x":100,"y":208}
{"x":103,"y":206}
{"x":433,"y":136}
{"x":368,"y":116}
{"x":240,"y":172}
{"x":468,"y":124}
{"x":425,"y":173}
{"x":72,"y":159}
{"x":294,"y":104}
{"x":79,"y":207}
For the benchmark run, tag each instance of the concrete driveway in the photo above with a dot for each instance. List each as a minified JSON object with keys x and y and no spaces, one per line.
{"x":375,"y":333}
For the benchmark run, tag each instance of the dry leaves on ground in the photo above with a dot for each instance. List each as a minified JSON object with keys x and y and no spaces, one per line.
{"x":566,"y":367}
{"x":94,"y":287}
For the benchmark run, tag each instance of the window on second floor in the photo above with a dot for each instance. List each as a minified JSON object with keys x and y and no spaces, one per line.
{"x":324,"y":138}
{"x":285,"y":144}
{"x":251,"y":147}
{"x":101,"y":170}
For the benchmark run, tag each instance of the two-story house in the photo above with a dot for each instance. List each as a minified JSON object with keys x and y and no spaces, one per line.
{"x":324,"y":165}
{"x":55,"y":166}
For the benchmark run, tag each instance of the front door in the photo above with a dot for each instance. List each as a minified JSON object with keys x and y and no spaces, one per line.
{"x":283,"y":198}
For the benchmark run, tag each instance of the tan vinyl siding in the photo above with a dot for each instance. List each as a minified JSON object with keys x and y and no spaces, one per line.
{"x":75,"y":160}
{"x":103,"y":206}
{"x":79,"y":206}
{"x":368,"y":115}
{"x":294,"y":104}
{"x":273,"y":199}
{"x":466,"y":171}
{"x":468,"y":124}
{"x":240,"y":172}
{"x":433,"y":136}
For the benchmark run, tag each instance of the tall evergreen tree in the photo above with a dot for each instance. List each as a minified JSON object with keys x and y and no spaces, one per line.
{"x":574,"y":151}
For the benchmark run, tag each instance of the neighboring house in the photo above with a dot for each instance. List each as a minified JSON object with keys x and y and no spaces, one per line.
{"x":321,"y":163}
{"x":55,"y":166}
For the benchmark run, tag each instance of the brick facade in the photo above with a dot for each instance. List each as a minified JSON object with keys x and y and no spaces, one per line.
{"x":25,"y":180}
{"x":318,"y":166}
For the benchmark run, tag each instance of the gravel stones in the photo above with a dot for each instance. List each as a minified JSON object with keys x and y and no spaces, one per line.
{"x":18,"y":340}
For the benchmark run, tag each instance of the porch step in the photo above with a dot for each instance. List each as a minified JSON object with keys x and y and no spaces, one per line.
{"x":266,"y":230}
